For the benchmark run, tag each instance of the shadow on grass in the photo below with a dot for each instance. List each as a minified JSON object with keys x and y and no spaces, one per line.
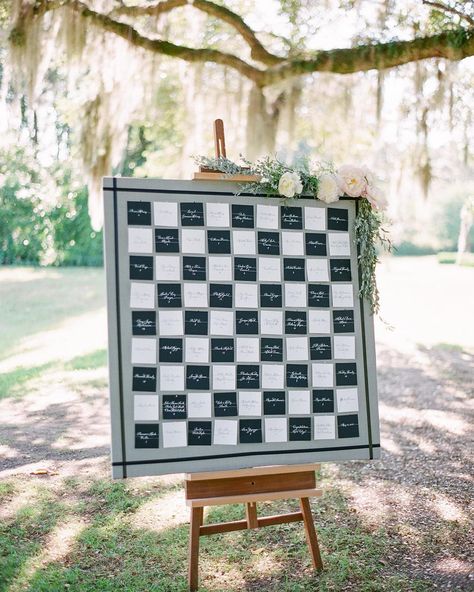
{"x":111,"y":555}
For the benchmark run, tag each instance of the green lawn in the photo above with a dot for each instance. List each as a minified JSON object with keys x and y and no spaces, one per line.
{"x":76,"y":530}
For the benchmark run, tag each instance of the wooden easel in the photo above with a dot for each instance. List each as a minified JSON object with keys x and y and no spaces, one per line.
{"x":249,"y":486}
{"x":246,"y":486}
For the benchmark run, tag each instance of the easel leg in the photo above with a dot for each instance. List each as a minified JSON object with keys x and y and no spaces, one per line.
{"x":251,"y":513}
{"x":193,"y":560}
{"x":311,"y":535}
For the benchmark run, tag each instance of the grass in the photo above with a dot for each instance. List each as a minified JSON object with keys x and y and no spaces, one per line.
{"x":109,"y":552}
{"x":467,"y":259}
{"x":78,"y":531}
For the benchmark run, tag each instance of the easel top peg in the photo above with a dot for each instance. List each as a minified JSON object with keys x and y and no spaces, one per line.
{"x":208,"y":174}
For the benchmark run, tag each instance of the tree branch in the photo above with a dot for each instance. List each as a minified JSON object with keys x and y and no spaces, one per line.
{"x":257,"y":51}
{"x":455,"y":45}
{"x":452,"y":45}
{"x":131,"y":35}
{"x":446,"y":8}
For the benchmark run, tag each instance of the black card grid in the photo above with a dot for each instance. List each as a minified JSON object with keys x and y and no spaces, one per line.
{"x":199,"y":433}
{"x":197,"y":377}
{"x":248,"y":376}
{"x":192,"y":214}
{"x":218,"y":242}
{"x":225,"y":404}
{"x":245,"y":269}
{"x":243,"y":216}
{"x":294,"y":270}
{"x":170,"y":350}
{"x":222,"y":350}
{"x":250,"y":431}
{"x":316,"y":244}
{"x":169,"y":295}
{"x":274,"y":403}
{"x":300,"y":429}
{"x":174,"y":407}
{"x":144,"y":379}
{"x":318,"y":296}
{"x":338,"y":219}
{"x":144,"y":322}
{"x":340,"y":270}
{"x":320,"y":348}
{"x":296,"y":323}
{"x":194,"y":268}
{"x":323,"y":401}
{"x":220,"y":295}
{"x":147,"y":435}
{"x":268,"y":243}
{"x":166,"y":240}
{"x":346,"y":374}
{"x":139,"y":213}
{"x":343,"y":321}
{"x":141,"y":268}
{"x":196,"y":322}
{"x":271,"y":296}
{"x":271,"y":349}
{"x":246,"y":322}
{"x":296,"y":375}
{"x":348,"y":426}
{"x":291,"y":218}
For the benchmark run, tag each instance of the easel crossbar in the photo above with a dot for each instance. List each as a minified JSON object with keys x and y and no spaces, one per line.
{"x":209,"y":529}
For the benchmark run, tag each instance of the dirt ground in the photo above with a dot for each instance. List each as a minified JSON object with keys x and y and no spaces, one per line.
{"x":54,"y":412}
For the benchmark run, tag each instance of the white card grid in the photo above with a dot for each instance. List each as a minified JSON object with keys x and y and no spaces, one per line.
{"x":219,"y":268}
{"x":225,"y":432}
{"x":199,"y":405}
{"x":196,"y":350}
{"x":140,"y":240}
{"x":247,"y":349}
{"x":268,"y":217}
{"x":143,"y":350}
{"x":347,"y":400}
{"x":269,"y":269}
{"x":165,"y":214}
{"x":193,"y":241}
{"x":273,"y":376}
{"x":174,"y":434}
{"x":195,"y":295}
{"x":319,"y":321}
{"x":217,"y":215}
{"x":276,"y":429}
{"x":295,"y":295}
{"x":250,"y":403}
{"x":297,"y":349}
{"x":168,"y":268}
{"x":146,"y":408}
{"x":339,"y":244}
{"x":299,"y":402}
{"x":142,"y":295}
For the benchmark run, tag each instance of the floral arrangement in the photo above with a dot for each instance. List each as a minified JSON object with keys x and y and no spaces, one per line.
{"x":327,"y":184}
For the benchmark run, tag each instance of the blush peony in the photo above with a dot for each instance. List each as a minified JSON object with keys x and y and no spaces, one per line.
{"x":290,"y":184}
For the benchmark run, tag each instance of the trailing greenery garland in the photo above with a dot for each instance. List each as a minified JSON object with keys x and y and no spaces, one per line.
{"x":327,"y":184}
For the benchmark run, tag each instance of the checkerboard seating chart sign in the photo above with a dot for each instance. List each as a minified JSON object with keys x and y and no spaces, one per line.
{"x":236,"y":334}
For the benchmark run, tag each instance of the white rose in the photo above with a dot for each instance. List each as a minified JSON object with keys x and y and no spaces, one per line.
{"x":375,"y":197}
{"x":328,"y":188}
{"x":352,"y":180}
{"x":290,"y":184}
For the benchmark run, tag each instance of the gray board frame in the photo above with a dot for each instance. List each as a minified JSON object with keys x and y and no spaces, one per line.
{"x":127,"y":461}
